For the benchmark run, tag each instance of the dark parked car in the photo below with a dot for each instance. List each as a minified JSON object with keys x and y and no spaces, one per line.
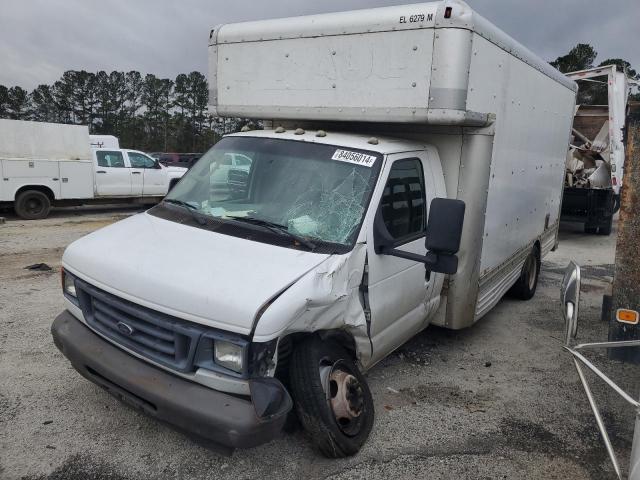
{"x":186,"y":160}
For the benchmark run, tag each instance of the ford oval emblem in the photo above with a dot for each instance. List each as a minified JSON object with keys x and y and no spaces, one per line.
{"x":125,"y":329}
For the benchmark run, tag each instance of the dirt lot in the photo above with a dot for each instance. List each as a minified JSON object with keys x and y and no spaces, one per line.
{"x":499,"y":400}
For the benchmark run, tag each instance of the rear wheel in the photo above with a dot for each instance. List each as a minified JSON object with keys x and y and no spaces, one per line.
{"x":525,"y":286}
{"x":606,"y":230}
{"x":32,"y":205}
{"x":332,"y":398}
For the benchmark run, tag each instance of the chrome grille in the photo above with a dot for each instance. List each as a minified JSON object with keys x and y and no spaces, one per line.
{"x":167,"y":340}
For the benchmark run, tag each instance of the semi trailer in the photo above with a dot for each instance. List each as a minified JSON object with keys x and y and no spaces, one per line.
{"x":410,"y":173}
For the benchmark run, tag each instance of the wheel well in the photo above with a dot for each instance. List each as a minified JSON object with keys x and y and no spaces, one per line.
{"x":537,"y":246}
{"x":288,"y":343}
{"x":40,"y":188}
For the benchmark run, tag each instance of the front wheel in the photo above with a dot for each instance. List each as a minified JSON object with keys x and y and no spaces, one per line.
{"x":331,"y":396}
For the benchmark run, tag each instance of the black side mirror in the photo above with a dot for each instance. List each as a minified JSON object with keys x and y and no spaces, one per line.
{"x":157,"y":164}
{"x":444,"y":231}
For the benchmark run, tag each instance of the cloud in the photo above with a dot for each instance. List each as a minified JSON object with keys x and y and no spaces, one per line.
{"x":40,"y":39}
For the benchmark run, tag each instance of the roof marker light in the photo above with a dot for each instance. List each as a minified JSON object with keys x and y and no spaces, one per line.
{"x":280,"y":130}
{"x":373,"y":141}
{"x":299,"y":131}
{"x":321,"y":133}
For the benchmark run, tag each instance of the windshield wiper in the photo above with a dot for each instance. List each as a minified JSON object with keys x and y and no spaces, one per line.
{"x":274,"y":227}
{"x":187,"y":206}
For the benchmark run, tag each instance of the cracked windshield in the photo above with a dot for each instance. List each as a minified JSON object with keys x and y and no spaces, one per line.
{"x":316,"y":192}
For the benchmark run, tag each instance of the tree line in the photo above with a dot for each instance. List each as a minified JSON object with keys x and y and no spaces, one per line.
{"x":145,"y":112}
{"x":582,"y":57}
{"x":160,"y":114}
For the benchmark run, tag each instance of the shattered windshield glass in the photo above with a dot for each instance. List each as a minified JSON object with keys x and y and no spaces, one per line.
{"x":313,"y":191}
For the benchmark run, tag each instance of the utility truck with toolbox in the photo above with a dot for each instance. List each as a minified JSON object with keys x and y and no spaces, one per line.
{"x":384,"y":195}
{"x":47,"y":164}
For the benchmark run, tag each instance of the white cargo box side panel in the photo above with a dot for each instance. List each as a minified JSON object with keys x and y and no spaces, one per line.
{"x":369,"y":75}
{"x":43,"y":141}
{"x":18,"y":173}
{"x":76,"y":180}
{"x":371,"y":65}
{"x":534,"y":114}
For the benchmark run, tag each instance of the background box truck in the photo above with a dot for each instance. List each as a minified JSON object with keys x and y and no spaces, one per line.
{"x":343,"y":238}
{"x":48,"y":164}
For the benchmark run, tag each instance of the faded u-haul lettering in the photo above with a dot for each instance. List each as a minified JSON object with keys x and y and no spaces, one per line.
{"x":354,"y":157}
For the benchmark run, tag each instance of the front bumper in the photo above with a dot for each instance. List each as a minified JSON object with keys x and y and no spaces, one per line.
{"x":189,"y":407}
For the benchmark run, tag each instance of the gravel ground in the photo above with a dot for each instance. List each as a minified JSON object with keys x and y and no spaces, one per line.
{"x":499,"y":400}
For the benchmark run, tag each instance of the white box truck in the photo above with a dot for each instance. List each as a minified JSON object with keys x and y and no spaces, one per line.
{"x":47,"y":164}
{"x":595,"y":163}
{"x":343,"y":238}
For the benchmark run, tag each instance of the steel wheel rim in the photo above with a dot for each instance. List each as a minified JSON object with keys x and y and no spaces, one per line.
{"x":345,"y":397}
{"x":34,"y":206}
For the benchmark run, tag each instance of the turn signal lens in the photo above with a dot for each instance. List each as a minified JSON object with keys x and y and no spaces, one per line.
{"x":627,"y":316}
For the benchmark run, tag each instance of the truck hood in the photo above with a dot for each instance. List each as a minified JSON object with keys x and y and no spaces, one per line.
{"x":194,"y":274}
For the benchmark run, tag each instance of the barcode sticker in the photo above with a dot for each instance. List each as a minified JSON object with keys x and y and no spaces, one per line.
{"x":354,"y":157}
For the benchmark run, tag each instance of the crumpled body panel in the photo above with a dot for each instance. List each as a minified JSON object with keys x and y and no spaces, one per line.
{"x":326,"y":298}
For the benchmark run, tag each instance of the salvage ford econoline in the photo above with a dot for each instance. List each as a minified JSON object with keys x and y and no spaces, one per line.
{"x":409,"y":173}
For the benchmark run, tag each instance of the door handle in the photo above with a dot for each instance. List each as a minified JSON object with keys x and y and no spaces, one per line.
{"x":136,"y":173}
{"x":101,"y":171}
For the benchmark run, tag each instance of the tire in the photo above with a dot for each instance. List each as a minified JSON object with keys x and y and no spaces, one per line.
{"x":606,"y":230}
{"x":525,"y":286}
{"x":616,"y":203}
{"x":590,"y":230}
{"x":337,"y":428}
{"x":32,"y":205}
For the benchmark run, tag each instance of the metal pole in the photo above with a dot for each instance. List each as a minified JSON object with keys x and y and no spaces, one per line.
{"x":626,"y":280}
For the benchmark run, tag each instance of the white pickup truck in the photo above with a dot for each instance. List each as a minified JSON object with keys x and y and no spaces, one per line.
{"x":410,"y":173}
{"x":44,"y":165}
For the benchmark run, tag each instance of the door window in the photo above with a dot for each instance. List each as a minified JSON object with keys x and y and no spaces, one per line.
{"x":110,"y":159}
{"x":403,"y":200}
{"x":139,"y":160}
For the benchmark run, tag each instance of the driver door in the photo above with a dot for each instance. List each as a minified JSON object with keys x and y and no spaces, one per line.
{"x":400,"y":290}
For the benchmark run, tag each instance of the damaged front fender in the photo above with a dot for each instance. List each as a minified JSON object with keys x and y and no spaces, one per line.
{"x":326,"y":298}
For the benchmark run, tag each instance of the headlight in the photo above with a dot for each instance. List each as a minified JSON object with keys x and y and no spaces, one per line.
{"x":68,"y":285}
{"x":228,"y":355}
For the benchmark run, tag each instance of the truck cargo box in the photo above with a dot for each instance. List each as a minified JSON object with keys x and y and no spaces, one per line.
{"x":413,"y":63}
{"x":43,"y":141}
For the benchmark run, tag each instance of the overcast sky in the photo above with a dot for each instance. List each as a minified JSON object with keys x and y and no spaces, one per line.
{"x":40,"y":39}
